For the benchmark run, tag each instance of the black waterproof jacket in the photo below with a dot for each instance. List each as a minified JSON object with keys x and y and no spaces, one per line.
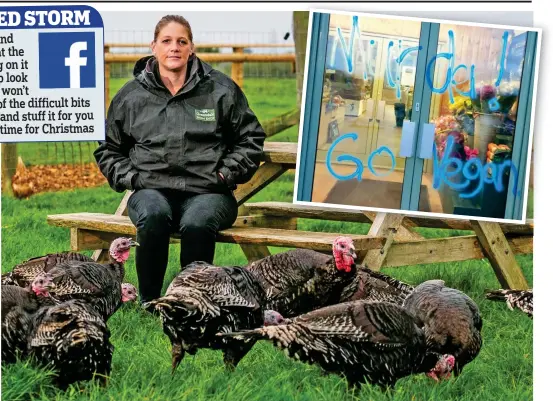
{"x":181,"y":142}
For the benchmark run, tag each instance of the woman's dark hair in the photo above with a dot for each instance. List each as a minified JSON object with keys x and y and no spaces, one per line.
{"x":164,"y":21}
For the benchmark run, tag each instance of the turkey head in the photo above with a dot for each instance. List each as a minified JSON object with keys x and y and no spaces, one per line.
{"x":128,"y":292}
{"x":120,"y":248}
{"x":273,"y":318}
{"x":42,"y":284}
{"x":343,"y":251}
{"x":443,"y":368}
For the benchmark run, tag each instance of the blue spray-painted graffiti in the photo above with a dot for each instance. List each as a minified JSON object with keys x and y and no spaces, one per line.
{"x":349,"y":54}
{"x":452,"y":70}
{"x":471,"y":170}
{"x":383,"y":150}
{"x":450,"y":83}
{"x":446,"y":171}
{"x":399,"y":60}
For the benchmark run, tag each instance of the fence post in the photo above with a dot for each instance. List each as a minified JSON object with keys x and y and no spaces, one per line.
{"x":301,"y":26}
{"x":237,"y":70}
{"x":106,"y":86}
{"x":9,"y":165}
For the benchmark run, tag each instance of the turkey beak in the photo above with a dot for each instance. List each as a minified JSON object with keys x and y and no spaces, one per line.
{"x":49,"y":285}
{"x":352,"y":253}
{"x":134,"y":243}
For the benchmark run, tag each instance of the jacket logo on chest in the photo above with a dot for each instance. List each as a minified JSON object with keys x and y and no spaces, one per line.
{"x":205,"y":115}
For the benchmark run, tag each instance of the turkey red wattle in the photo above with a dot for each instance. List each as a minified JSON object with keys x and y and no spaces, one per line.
{"x":344,"y":253}
{"x":443,"y":368}
{"x":40,"y":293}
{"x":120,"y":249}
{"x":122,"y":256}
{"x":42,"y":284}
{"x":342,"y":263}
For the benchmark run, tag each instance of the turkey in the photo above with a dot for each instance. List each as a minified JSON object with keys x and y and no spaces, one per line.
{"x":362,"y":340}
{"x":452,"y":322}
{"x":205,"y":299}
{"x":371,"y":285}
{"x":301,"y":280}
{"x":128,"y":292}
{"x":98,"y":284}
{"x":520,"y":299}
{"x":18,"y":307}
{"x":73,"y":338}
{"x":24,"y":273}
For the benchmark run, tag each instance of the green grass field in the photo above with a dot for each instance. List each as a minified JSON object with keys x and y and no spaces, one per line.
{"x":142,"y":362}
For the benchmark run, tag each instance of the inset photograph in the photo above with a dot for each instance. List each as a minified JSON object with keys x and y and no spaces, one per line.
{"x":419,"y":116}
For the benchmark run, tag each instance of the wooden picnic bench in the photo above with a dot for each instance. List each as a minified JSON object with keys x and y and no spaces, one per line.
{"x":391,"y":240}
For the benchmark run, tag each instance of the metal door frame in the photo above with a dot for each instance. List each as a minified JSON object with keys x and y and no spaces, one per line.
{"x":312,"y":102}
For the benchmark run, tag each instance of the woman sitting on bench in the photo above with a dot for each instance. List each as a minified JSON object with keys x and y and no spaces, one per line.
{"x":181,"y":135}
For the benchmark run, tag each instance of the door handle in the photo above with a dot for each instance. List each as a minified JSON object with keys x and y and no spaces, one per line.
{"x":427,"y":141}
{"x":407,"y":143}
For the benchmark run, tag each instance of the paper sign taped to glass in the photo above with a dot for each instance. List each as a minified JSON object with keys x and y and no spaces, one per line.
{"x":436,"y":116}
{"x":51,"y":74}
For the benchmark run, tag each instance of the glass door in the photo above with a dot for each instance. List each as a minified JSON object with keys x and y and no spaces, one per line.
{"x":349,"y":91}
{"x":403,"y":114}
{"x":364,"y":125}
{"x":394,"y":97}
{"x":474,"y":140}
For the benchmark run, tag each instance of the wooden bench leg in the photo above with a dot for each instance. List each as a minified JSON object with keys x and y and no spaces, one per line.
{"x":499,"y":253}
{"x":386,"y":225}
{"x":255,"y":252}
{"x":101,"y":255}
{"x":267,"y":173}
{"x":404,"y":233}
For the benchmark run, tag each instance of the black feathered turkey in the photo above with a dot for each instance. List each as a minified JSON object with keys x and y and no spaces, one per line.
{"x":361,"y":340}
{"x":451,"y":319}
{"x":18,"y":308}
{"x":98,"y":284}
{"x":72,"y":338}
{"x":375,"y":286}
{"x":24,"y":273}
{"x":203,"y":300}
{"x":520,"y":299}
{"x":301,"y":280}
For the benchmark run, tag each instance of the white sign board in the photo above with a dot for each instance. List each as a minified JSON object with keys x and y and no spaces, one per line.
{"x":51,"y":74}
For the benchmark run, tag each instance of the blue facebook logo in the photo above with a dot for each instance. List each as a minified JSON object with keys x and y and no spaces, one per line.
{"x":66,"y":60}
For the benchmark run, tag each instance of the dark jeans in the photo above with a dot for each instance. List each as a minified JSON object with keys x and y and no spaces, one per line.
{"x":158,"y":213}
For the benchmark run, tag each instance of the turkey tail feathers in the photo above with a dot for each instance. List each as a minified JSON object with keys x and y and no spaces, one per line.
{"x":502,"y":295}
{"x":497,"y":295}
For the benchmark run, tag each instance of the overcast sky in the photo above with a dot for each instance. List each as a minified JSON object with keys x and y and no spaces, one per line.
{"x":260,"y":26}
{"x":253,"y":27}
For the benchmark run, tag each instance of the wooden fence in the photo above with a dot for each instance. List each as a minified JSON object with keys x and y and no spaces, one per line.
{"x":238,"y":57}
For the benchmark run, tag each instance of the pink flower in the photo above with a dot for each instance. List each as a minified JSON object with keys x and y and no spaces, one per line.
{"x":471,"y":153}
{"x":487,"y":92}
